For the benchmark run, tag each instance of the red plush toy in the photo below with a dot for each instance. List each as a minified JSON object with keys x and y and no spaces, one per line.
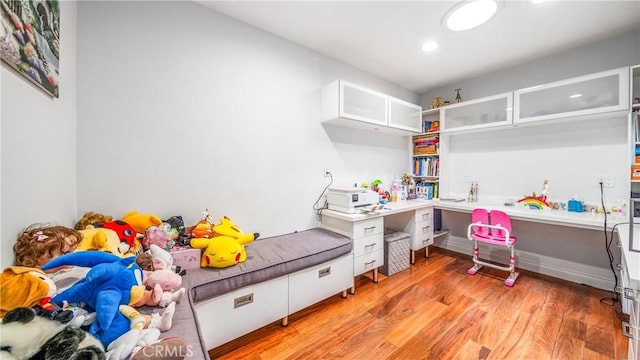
{"x":126,"y":234}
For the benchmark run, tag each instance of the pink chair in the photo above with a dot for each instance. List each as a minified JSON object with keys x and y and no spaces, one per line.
{"x":492,"y":228}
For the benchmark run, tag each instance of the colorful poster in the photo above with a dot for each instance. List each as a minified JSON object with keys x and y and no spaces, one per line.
{"x":30,"y":41}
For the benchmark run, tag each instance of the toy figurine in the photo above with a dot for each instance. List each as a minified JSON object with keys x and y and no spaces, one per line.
{"x":458,"y":97}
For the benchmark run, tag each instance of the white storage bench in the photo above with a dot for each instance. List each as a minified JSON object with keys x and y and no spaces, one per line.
{"x":282,"y":275}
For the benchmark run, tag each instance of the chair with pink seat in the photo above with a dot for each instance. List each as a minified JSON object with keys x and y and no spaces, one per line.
{"x":493,"y":228}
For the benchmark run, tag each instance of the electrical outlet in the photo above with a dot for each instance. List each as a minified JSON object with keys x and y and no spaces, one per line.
{"x":607,"y":181}
{"x":466,"y":179}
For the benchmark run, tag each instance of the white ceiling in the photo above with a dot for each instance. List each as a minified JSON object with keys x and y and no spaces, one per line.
{"x":384,"y":37}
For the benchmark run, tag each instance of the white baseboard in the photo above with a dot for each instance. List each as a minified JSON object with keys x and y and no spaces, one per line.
{"x":567,"y":270}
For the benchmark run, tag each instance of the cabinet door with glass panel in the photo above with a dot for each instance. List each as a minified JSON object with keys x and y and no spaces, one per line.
{"x":488,"y":112}
{"x":404,"y":115}
{"x":591,"y":94}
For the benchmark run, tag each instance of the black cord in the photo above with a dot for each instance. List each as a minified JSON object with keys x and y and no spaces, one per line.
{"x":607,"y":245}
{"x":325,"y":205}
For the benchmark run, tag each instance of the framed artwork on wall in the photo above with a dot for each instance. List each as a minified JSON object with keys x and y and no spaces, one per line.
{"x":30,"y":41}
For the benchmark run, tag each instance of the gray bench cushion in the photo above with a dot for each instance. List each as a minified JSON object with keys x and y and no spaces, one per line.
{"x":270,"y":258}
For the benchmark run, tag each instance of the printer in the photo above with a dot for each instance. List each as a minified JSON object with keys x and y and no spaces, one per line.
{"x":351,"y":200}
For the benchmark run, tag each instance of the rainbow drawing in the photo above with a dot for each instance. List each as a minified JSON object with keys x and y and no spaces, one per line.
{"x":533,"y":202}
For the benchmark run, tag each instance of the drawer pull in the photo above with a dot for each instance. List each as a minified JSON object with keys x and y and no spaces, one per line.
{"x":324,"y":272}
{"x":630,"y":331}
{"x":631,"y":294}
{"x":426,"y":228}
{"x":369,"y":246}
{"x":242,"y":301}
{"x":426,"y":241}
{"x":426,"y":215}
{"x":369,"y":263}
{"x":370,"y":228}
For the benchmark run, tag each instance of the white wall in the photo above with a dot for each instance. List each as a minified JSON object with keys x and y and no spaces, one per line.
{"x":181,"y":108}
{"x":38,"y":142}
{"x":509,"y":164}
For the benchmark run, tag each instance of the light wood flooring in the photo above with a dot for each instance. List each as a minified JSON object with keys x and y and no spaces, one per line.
{"x":434,"y":310}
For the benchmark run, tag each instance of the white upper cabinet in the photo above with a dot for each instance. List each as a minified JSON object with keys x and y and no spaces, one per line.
{"x":350,"y":105}
{"x":404,"y":115}
{"x":592,"y":94}
{"x":488,"y":112}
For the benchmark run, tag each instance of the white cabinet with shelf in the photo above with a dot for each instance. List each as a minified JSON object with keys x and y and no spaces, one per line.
{"x":593,"y":94}
{"x":351,"y":105}
{"x":634,"y":140}
{"x":487,"y":112}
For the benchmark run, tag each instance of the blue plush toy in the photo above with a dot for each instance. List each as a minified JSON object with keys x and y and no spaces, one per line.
{"x":106,"y":286}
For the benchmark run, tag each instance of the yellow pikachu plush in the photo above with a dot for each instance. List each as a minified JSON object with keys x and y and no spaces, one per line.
{"x":227,"y":228}
{"x":221,"y":251}
{"x":102,"y":239}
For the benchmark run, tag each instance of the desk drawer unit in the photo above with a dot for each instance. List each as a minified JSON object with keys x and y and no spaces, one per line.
{"x":422,"y":235}
{"x":311,"y":285}
{"x":234,"y":314}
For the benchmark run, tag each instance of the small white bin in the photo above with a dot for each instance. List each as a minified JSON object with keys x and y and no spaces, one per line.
{"x":396,"y":253}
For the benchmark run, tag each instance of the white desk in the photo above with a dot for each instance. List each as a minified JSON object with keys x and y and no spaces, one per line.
{"x":367,"y":231}
{"x":547,"y":216}
{"x":630,"y":284}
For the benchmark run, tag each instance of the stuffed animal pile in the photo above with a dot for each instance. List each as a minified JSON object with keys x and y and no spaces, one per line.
{"x":80,"y":288}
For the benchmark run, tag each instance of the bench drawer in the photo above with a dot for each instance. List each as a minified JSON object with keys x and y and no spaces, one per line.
{"x":237,"y":313}
{"x":368,"y":262}
{"x":309,"y":286}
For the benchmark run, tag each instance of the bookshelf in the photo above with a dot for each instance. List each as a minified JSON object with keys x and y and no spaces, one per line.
{"x":426,"y":156}
{"x":634,"y":203}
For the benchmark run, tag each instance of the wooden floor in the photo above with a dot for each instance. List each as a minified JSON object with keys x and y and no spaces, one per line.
{"x":434,"y":310}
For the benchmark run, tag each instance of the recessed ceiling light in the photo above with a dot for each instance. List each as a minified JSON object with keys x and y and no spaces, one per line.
{"x":430,"y":45}
{"x":575,"y":96}
{"x":470,"y":14}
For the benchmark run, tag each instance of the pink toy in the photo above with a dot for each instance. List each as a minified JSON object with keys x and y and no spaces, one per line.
{"x":492,"y":228}
{"x":162,"y":235}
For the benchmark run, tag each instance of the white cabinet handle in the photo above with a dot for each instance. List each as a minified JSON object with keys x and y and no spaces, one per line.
{"x":369,"y":246}
{"x":324,"y":272}
{"x":242,"y":301}
{"x":370,"y":228}
{"x":369,"y":263}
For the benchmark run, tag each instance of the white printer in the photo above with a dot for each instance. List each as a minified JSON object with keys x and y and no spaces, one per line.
{"x":351,"y":200}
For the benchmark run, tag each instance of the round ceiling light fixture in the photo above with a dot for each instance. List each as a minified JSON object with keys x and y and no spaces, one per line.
{"x":430,"y":45}
{"x":470,"y":14}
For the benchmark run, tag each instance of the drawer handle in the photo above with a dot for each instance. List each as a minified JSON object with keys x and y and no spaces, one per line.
{"x":630,"y":331}
{"x":426,"y":241}
{"x":426,"y":215}
{"x":324,"y":272}
{"x":242,"y":301}
{"x":369,"y":263}
{"x":631,"y":294}
{"x":370,"y":245}
{"x":370,"y":228}
{"x":426,"y":228}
